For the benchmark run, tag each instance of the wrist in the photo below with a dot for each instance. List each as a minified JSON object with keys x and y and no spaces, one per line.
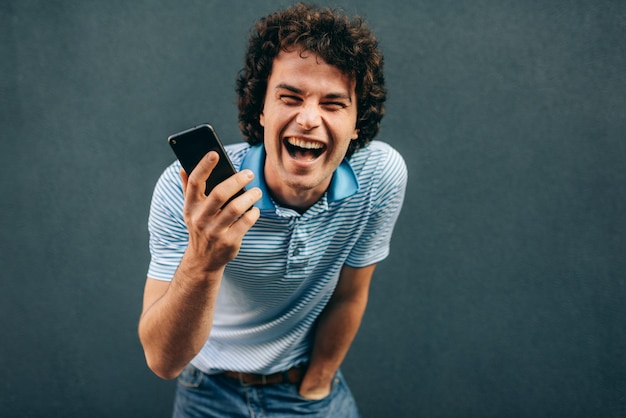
{"x":199,"y":265}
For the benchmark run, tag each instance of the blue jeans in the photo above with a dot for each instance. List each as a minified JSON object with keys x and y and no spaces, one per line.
{"x":217,"y":396}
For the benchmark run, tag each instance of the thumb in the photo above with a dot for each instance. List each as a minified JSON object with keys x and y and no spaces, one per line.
{"x":185,"y":178}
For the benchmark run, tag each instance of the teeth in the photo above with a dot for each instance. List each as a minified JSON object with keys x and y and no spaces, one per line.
{"x":300,"y":143}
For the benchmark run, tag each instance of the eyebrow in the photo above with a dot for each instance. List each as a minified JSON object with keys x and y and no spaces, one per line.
{"x":297,"y":90}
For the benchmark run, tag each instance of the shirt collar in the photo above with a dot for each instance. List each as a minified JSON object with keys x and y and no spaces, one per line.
{"x":343,"y":184}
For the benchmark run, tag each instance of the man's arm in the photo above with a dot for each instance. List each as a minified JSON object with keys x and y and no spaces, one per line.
{"x":176,"y":321}
{"x":336,"y":329}
{"x":177,"y":316}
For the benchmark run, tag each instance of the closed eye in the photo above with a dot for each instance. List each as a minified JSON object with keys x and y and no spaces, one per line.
{"x":290,"y":100}
{"x":334,"y":105}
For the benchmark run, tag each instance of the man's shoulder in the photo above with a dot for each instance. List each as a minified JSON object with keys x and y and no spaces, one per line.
{"x":373,"y":152}
{"x":378,"y":157}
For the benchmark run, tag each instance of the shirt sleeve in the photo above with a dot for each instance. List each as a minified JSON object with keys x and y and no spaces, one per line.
{"x":374,"y":243}
{"x":168,"y":232}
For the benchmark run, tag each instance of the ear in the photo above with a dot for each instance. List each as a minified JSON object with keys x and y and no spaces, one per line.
{"x":355,"y":134}
{"x":262,"y":120}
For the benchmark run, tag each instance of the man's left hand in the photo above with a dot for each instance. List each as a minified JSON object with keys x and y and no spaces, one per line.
{"x":315,"y":393}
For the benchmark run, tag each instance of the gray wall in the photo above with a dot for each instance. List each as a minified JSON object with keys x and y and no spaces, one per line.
{"x":505,"y":291}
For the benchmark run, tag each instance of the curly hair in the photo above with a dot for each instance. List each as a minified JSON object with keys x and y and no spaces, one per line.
{"x":343,"y":42}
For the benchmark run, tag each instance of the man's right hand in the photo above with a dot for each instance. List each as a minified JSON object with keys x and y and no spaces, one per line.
{"x":216,"y":232}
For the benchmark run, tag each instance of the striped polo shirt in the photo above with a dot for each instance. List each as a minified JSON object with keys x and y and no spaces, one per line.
{"x":289,"y":263}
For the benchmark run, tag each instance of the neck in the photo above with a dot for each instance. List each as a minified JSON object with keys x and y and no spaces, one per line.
{"x":291,"y":196}
{"x":300,"y":202}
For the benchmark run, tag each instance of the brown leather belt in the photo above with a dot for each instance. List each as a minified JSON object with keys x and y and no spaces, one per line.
{"x":293,"y":375}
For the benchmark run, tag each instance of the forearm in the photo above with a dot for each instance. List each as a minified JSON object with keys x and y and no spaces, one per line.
{"x":336,"y":329}
{"x":174,"y":327}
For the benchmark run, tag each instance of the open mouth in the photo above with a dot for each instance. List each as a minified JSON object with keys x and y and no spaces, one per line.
{"x":304,"y":150}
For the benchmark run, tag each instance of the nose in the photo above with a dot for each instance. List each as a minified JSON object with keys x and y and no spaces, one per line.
{"x":309,"y":117}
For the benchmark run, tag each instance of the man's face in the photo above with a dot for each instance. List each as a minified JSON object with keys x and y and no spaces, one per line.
{"x":309,"y":118}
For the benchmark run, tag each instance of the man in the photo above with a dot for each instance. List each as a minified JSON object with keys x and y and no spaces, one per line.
{"x":254,"y":309}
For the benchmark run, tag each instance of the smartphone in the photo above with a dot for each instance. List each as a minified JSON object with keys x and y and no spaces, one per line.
{"x":192,"y":145}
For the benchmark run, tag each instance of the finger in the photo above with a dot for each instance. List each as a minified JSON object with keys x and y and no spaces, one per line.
{"x":224,"y":192}
{"x":231,"y":213}
{"x":196,"y":182}
{"x":244,"y":223}
{"x":240,"y":205}
{"x":184,"y":177}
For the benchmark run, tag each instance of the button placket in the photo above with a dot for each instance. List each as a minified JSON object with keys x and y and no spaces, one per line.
{"x":298,"y":260}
